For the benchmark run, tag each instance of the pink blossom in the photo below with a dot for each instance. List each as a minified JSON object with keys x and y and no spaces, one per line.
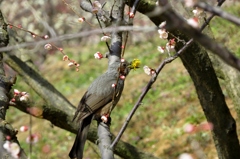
{"x":65,"y":58}
{"x":190,"y":3}
{"x":16,"y":92}
{"x":13,"y":148}
{"x":149,"y":71}
{"x":48,"y":46}
{"x":122,"y":77}
{"x":189,"y":128}
{"x":161,"y":49}
{"x":163,"y":24}
{"x":98,"y":55}
{"x":82,"y":19}
{"x":23,"y":128}
{"x":163,"y":34}
{"x":32,"y":139}
{"x":70,"y":64}
{"x":45,"y":36}
{"x":185,"y":156}
{"x":193,"y":22}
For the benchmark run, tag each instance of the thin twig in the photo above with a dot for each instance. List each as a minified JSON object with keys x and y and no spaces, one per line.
{"x":134,"y":7}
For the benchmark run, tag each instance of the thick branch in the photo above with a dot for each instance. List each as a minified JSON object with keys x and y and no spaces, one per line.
{"x":5,"y":85}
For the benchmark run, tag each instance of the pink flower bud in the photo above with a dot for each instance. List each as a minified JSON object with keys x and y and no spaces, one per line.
{"x":189,"y":128}
{"x":163,"y":24}
{"x":131,"y":15}
{"x":8,"y":137}
{"x":70,"y":64}
{"x":104,"y":119}
{"x":16,"y":92}
{"x":48,"y":46}
{"x":23,"y":128}
{"x":6,"y":145}
{"x":97,"y":4}
{"x":149,"y":71}
{"x":193,"y":22}
{"x":15,"y":150}
{"x":122,"y":77}
{"x":161,"y":49}
{"x":185,"y":156}
{"x":98,"y":55}
{"x":65,"y":58}
{"x":13,"y":100}
{"x":24,"y":98}
{"x":82,"y":19}
{"x":122,"y":60}
{"x":33,"y":138}
{"x":45,"y":36}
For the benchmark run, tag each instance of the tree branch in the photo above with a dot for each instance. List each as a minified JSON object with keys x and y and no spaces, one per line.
{"x":5,"y":86}
{"x":217,"y":11}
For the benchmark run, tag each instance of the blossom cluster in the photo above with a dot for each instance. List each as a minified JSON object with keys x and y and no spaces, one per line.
{"x":12,"y":148}
{"x":23,"y":96}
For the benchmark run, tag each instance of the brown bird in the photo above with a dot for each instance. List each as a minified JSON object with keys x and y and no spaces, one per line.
{"x":102,"y":95}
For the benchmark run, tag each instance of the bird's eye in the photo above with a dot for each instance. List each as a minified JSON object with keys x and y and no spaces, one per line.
{"x":124,"y":64}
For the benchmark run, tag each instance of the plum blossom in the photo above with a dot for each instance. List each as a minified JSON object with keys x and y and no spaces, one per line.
{"x":189,"y":128}
{"x":197,"y":12}
{"x":45,"y":37}
{"x":162,"y":25}
{"x":190,"y":3}
{"x":161,"y":49}
{"x":149,"y":71}
{"x":185,"y":156}
{"x":122,"y":77}
{"x":82,"y":19}
{"x":98,"y":55}
{"x":23,"y":128}
{"x":193,"y":22}
{"x":65,"y":58}
{"x":48,"y":46}
{"x":96,"y":7}
{"x":32,"y":138}
{"x":24,"y":98}
{"x":170,"y":46}
{"x":13,"y":148}
{"x":163,"y":34}
{"x":70,"y":64}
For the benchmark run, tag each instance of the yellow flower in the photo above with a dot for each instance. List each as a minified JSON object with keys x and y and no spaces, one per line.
{"x":135,"y":64}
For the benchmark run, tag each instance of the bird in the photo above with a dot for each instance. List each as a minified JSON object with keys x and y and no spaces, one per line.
{"x":98,"y":101}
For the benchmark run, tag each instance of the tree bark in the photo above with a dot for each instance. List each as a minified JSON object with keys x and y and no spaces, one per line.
{"x":5,"y":86}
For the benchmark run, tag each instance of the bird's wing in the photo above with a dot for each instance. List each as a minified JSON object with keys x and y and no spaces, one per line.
{"x":91,"y":103}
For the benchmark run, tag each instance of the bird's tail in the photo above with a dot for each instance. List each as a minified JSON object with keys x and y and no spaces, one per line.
{"x":78,"y":146}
